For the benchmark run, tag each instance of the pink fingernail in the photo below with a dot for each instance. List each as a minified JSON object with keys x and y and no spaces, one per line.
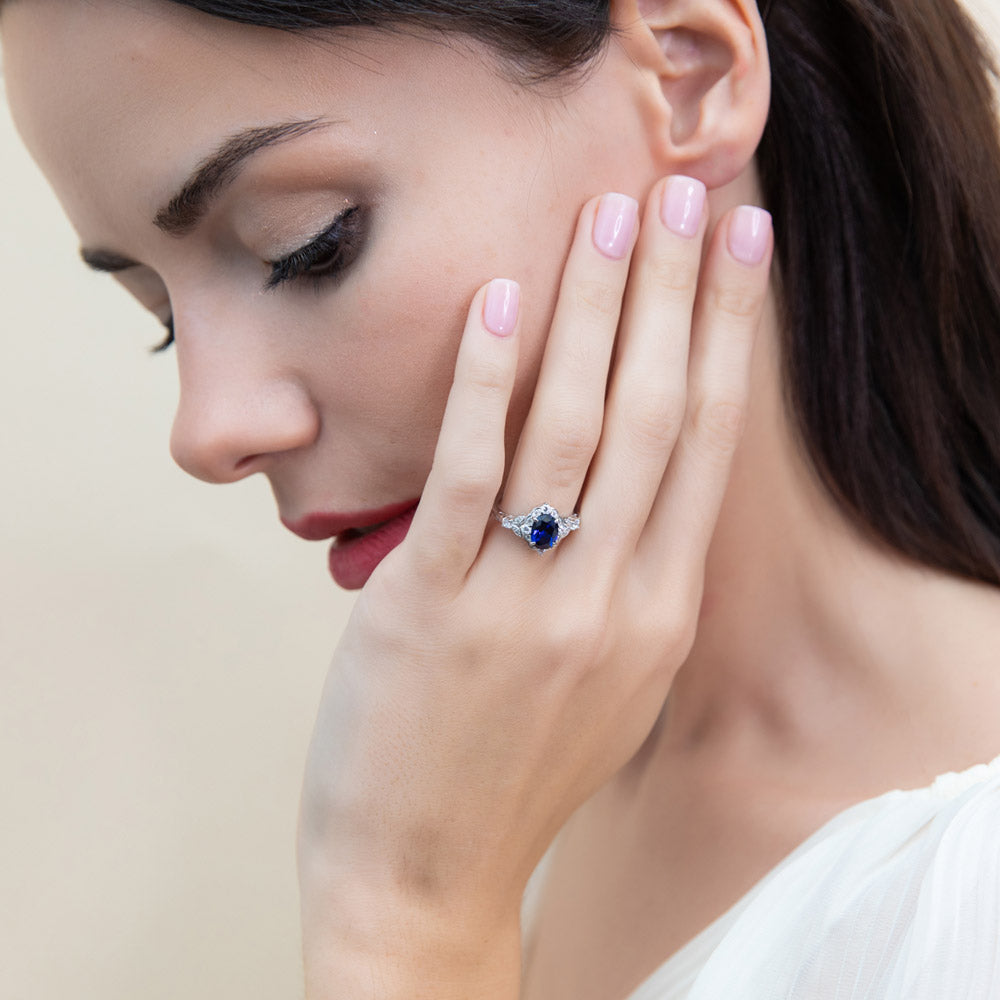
{"x":500,"y":306}
{"x":614,"y":226}
{"x":682,"y":205}
{"x":749,"y":231}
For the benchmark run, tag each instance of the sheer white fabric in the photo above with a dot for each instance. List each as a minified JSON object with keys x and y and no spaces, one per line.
{"x":897,"y":898}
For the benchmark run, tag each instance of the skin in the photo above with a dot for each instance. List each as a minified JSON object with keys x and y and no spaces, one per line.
{"x":806,"y":668}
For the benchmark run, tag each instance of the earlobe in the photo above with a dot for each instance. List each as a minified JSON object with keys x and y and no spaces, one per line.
{"x":709,"y":59}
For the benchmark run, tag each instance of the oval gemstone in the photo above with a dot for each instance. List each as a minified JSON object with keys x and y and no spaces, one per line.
{"x":544,"y":532}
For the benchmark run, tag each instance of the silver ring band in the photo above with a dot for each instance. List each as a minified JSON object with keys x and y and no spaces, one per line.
{"x":542,"y":528}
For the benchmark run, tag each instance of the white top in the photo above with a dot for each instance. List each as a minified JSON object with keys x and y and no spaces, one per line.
{"x":896,"y":898}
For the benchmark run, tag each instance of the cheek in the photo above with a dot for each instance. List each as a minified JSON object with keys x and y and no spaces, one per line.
{"x":410,"y":308}
{"x":406,"y":324}
{"x":421,"y":322}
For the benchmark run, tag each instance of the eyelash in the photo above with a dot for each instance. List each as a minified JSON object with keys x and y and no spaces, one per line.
{"x":167,"y":340}
{"x":324,"y":257}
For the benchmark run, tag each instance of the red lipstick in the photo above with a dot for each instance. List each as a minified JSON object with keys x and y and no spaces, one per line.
{"x":362,"y":539}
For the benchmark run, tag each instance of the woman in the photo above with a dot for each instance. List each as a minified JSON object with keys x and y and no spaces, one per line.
{"x":788,"y":492}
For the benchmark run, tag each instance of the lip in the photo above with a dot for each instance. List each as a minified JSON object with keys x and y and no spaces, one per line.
{"x":353,"y":558}
{"x":317,"y":527}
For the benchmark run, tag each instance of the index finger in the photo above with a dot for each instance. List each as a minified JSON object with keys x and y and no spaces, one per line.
{"x":468,"y":467}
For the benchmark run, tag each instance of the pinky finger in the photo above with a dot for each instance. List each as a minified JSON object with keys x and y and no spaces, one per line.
{"x":728,"y":312}
{"x":467,"y":471}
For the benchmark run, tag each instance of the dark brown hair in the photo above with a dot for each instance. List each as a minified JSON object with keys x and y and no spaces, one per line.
{"x":881,"y":165}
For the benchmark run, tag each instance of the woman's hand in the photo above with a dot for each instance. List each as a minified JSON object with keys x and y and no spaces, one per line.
{"x":481,"y":691}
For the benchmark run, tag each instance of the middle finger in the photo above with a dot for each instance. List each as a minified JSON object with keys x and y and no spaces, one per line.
{"x":648,"y":392}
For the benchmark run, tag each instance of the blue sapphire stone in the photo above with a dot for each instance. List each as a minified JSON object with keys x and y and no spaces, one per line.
{"x":544,"y":532}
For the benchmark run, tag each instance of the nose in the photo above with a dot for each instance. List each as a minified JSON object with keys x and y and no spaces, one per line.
{"x":236,"y":414}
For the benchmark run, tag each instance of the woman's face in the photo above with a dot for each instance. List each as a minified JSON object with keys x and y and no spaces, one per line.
{"x":323,"y":363}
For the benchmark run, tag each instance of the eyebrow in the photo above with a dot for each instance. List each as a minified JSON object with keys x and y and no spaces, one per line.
{"x":187,"y":208}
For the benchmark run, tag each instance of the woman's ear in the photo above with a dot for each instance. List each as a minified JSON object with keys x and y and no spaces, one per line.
{"x":706,"y":61}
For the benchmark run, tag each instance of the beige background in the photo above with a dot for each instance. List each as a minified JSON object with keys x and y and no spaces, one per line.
{"x":162,"y":644}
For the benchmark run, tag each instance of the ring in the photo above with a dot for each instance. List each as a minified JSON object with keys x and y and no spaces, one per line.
{"x":542,"y":528}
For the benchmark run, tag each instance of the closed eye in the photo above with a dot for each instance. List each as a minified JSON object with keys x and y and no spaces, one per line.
{"x":326,"y":255}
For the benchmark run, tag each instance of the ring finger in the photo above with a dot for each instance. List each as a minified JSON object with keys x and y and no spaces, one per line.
{"x":564,"y":423}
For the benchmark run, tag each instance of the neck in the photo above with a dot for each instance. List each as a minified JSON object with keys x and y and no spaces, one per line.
{"x":819,"y":648}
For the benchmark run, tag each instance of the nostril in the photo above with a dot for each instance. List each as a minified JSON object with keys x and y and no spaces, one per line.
{"x":243,"y":463}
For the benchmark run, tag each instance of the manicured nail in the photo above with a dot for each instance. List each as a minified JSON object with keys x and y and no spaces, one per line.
{"x":615,"y":225}
{"x":500,"y":306}
{"x":682,"y":205}
{"x":749,"y":230}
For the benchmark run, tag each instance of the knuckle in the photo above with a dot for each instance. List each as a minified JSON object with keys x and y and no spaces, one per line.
{"x":488,"y":377}
{"x":672,"y":628}
{"x":686,"y":630}
{"x":739,"y":301}
{"x":681,"y":639}
{"x":577,"y":437}
{"x":469,"y":487}
{"x":718,"y":424}
{"x":683,"y":624}
{"x":667,"y":621}
{"x":576,"y":640}
{"x":569,"y":447}
{"x":674,"y":274}
{"x":654,"y":417}
{"x":597,"y":299}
